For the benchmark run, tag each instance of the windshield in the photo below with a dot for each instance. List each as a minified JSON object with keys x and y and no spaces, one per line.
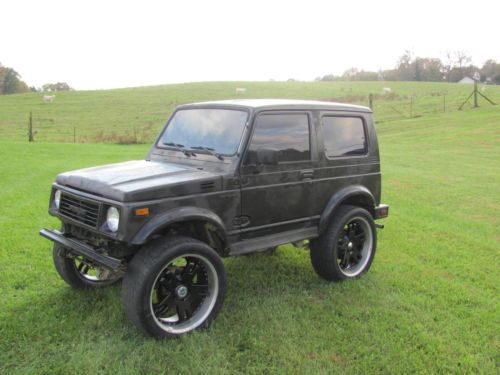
{"x":219,"y":130}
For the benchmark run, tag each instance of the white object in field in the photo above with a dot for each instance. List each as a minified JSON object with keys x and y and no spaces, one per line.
{"x":387,"y":90}
{"x":241,"y":90}
{"x":48,"y":98}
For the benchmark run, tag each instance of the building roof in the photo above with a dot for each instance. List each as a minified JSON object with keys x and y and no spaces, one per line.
{"x":467,"y":79}
{"x":282,"y":104}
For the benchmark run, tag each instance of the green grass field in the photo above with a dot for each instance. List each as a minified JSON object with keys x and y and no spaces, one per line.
{"x":93,"y":116}
{"x":428,"y":305}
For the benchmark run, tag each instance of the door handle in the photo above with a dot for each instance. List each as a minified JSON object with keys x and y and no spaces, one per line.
{"x":307,"y":174}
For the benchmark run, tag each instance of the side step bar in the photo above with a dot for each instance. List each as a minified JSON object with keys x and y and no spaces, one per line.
{"x":261,"y":243}
{"x":81,"y":248}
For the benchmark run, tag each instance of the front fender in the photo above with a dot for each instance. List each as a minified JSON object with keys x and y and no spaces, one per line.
{"x":338,"y":198}
{"x":177,"y":215}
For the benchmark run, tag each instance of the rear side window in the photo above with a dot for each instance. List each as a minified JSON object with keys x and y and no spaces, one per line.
{"x":286,"y":133}
{"x":344,"y":136}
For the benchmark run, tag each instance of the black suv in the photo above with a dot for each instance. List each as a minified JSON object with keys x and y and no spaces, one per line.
{"x":223,"y":178}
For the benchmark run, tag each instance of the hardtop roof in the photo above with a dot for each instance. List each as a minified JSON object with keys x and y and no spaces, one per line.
{"x":280,"y":104}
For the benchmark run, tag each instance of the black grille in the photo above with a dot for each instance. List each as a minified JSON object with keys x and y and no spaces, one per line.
{"x":83,"y":211}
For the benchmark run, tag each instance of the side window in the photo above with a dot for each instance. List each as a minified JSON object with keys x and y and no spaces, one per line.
{"x":344,"y":136}
{"x":286,"y":133}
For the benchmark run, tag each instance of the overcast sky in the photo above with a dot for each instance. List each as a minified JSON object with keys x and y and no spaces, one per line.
{"x":109,"y":44}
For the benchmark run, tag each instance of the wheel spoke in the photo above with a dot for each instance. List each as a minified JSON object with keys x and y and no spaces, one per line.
{"x":199,"y":290}
{"x":85,"y":269}
{"x":345,"y":259}
{"x":80,"y":266}
{"x":190,"y":271}
{"x":161,"y":307}
{"x":184,"y":309}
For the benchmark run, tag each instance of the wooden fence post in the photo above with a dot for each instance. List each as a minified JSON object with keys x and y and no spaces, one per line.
{"x":475,"y":94}
{"x":370,"y":101}
{"x":30,"y":129}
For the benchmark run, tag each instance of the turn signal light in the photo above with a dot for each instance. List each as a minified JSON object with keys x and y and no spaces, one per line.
{"x":142,"y":211}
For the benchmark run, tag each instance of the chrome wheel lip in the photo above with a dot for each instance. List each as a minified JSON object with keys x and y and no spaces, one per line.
{"x":198,"y":318}
{"x":90,"y":278}
{"x":367,"y":250}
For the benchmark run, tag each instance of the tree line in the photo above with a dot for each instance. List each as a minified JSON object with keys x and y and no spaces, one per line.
{"x":11,"y":83}
{"x":412,"y":68}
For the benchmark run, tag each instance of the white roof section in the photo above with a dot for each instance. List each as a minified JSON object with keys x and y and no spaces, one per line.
{"x":285,"y":104}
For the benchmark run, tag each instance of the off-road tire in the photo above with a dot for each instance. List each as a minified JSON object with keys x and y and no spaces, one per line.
{"x":66,"y":268}
{"x":325,"y":249}
{"x":144,"y":270}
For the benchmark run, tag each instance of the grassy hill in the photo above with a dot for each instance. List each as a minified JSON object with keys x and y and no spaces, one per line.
{"x":139,"y":113}
{"x":428,"y":305}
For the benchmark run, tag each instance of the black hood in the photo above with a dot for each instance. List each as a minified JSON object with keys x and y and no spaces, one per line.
{"x":140,"y":180}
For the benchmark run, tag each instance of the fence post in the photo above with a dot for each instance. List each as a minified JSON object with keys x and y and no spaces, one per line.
{"x":30,"y":129}
{"x":370,"y":101}
{"x":74,"y":134}
{"x":444,"y":103}
{"x":475,"y":94}
{"x":411,"y":106}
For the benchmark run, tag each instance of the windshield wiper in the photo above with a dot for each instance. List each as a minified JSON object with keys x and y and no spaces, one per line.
{"x":180,"y":148}
{"x":209,"y":150}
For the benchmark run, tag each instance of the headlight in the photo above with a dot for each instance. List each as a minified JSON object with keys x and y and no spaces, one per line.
{"x":113,"y":219}
{"x":57,"y":198}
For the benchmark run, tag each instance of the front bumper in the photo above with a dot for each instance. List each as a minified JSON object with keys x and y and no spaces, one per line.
{"x":81,"y":248}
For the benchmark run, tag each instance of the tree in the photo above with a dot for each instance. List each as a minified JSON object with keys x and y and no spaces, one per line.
{"x":59,"y":86}
{"x":406,"y":67}
{"x":10,"y":81}
{"x":490,"y":72}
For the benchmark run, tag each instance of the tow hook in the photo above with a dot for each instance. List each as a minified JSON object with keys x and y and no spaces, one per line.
{"x":379,"y":226}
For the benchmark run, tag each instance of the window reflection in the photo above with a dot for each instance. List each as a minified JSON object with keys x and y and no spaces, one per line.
{"x":344,"y":136}
{"x":286,"y":133}
{"x":217,"y":129}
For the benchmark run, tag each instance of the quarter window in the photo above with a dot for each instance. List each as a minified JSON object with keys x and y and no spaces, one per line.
{"x":344,"y":136}
{"x":286,"y":133}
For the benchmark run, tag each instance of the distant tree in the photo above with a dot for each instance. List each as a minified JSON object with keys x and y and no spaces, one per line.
{"x":328,"y":78}
{"x":490,"y":72}
{"x":10,"y":81}
{"x":354,"y":74}
{"x":428,"y":69}
{"x":59,"y":86}
{"x":458,"y":66}
{"x":406,"y":67}
{"x":462,"y":59}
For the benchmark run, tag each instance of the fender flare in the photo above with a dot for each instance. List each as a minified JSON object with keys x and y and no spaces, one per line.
{"x":338,"y":198}
{"x":177,"y":215}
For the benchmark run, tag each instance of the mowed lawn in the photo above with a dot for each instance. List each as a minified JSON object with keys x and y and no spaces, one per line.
{"x":428,"y":305}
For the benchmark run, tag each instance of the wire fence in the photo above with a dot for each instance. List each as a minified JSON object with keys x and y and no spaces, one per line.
{"x":123,"y":127}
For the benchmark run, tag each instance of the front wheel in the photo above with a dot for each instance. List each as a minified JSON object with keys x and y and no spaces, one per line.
{"x":174,"y":286}
{"x":347,"y":247}
{"x":80,"y":273}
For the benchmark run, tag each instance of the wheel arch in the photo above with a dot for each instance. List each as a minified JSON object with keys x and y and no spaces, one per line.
{"x":355,"y":195}
{"x":195,"y":221}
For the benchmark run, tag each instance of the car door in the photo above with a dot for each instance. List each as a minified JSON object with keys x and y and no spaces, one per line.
{"x":277,"y":198}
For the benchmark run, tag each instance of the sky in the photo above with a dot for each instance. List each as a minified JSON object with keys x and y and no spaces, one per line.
{"x":112,"y":44}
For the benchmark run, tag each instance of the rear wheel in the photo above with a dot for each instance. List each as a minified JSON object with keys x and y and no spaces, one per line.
{"x":347,"y":247}
{"x":174,"y":286}
{"x":80,"y":273}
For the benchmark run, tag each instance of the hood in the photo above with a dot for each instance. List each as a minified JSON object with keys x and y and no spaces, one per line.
{"x":141,"y":180}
